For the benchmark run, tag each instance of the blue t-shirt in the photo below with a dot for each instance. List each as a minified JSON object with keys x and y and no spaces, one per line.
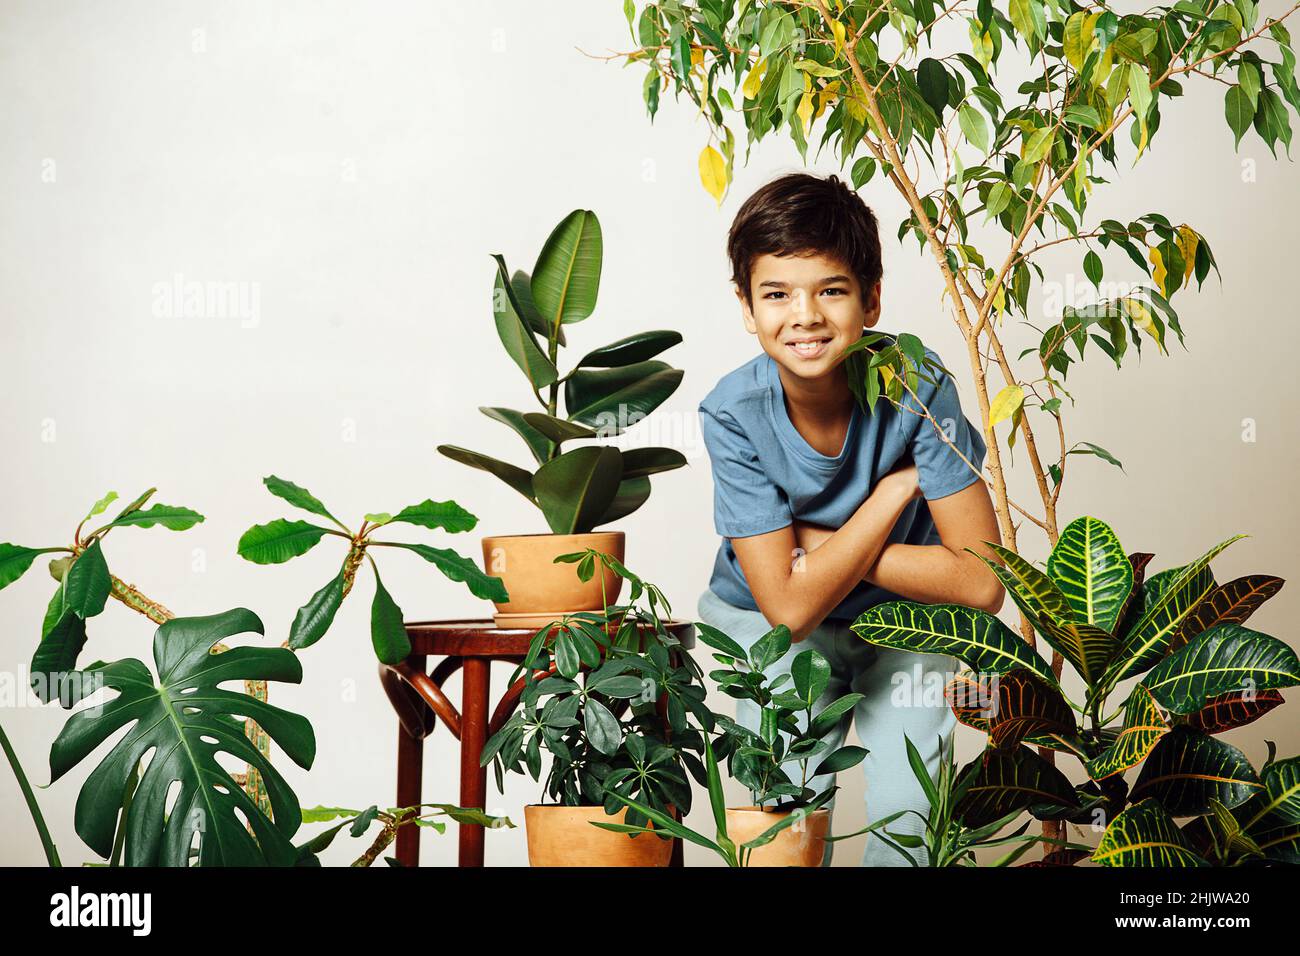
{"x":765,"y":474}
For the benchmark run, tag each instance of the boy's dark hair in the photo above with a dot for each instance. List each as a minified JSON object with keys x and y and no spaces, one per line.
{"x":799,"y":214}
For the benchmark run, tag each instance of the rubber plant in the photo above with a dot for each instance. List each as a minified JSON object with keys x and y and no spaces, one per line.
{"x":996,"y":123}
{"x":625,"y":728}
{"x":84,"y":585}
{"x":359,"y":822}
{"x":176,"y":726}
{"x":606,"y":392}
{"x":281,"y":540}
{"x":1171,"y":648}
{"x":780,"y":760}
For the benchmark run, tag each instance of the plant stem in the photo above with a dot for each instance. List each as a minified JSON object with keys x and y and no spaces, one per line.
{"x":51,"y":852}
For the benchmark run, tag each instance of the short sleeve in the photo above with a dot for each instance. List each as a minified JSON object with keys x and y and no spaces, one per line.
{"x":745,"y":500}
{"x":941,"y":470}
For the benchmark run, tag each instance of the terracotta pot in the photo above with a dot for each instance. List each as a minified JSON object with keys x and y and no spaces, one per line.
{"x":801,"y":844}
{"x":564,"y":836}
{"x":540,"y":590}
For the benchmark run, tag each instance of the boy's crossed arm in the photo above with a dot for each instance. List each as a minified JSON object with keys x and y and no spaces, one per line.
{"x":802,"y":592}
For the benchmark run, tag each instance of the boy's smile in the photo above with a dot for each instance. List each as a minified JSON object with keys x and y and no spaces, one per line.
{"x":806,"y":310}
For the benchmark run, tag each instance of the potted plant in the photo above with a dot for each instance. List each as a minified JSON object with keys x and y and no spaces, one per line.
{"x":777,"y":762}
{"x":282,"y":540}
{"x":359,"y":822}
{"x":578,"y":489}
{"x":1171,"y":650}
{"x":622,"y":730}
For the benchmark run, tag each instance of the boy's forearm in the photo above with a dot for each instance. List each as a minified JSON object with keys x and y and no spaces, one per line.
{"x":821,"y":578}
{"x":935,"y":574}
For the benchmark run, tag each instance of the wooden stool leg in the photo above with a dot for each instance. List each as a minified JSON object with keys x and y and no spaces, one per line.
{"x":410,"y":766}
{"x":473,"y":735}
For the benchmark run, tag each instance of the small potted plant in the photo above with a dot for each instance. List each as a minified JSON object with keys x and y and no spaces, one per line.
{"x":622,"y":731}
{"x":790,"y":738}
{"x":577,"y":489}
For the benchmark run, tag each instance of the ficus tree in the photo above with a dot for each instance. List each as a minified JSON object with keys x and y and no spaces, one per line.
{"x":997,"y":123}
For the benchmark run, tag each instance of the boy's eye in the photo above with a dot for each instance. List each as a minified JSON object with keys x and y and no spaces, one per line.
{"x":773,"y":295}
{"x":835,"y":291}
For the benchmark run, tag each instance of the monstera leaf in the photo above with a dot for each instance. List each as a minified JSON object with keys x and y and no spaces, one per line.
{"x":181,"y":723}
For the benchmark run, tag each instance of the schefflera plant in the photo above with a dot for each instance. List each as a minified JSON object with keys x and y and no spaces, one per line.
{"x":609,"y":390}
{"x":281,"y":540}
{"x":1201,"y":673}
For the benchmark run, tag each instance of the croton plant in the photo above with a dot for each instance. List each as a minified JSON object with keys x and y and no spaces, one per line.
{"x":1172,"y":650}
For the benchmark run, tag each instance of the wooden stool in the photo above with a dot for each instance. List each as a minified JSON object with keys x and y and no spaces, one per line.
{"x":417,"y":695}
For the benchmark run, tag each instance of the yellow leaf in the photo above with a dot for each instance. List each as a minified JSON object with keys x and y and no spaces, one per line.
{"x":697,"y":56}
{"x":837,"y":28}
{"x":1141,"y":317}
{"x":1158,"y":261}
{"x":805,"y":111}
{"x":1006,"y":403}
{"x":754,"y":80}
{"x":1000,"y":299}
{"x":1187,"y":243}
{"x":713,"y":173}
{"x":886,"y":375}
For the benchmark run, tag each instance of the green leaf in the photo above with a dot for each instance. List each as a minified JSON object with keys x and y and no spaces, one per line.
{"x":650,"y":461}
{"x":1083,"y":115}
{"x":298,"y":496}
{"x":446,"y":515}
{"x":862,"y":171}
{"x":566,"y":279}
{"x":101,"y":505}
{"x":457,"y":567}
{"x":975,"y":637}
{"x":1145,"y":835}
{"x":632,"y":494}
{"x":602,"y":727}
{"x":999,"y":782}
{"x":315,"y":617}
{"x":515,"y":334}
{"x":974,"y":126}
{"x":769,"y":648}
{"x":1282,"y":791}
{"x":932,"y":79}
{"x":1092,"y":570}
{"x":841,"y":759}
{"x":556,"y":430}
{"x":576,"y":488}
{"x":1092,"y":267}
{"x":185,"y":721}
{"x":279,"y":541}
{"x":1226,"y":658}
{"x":172,"y":517}
{"x":88,"y":583}
{"x":631,"y":350}
{"x":15,"y":560}
{"x":538,"y":444}
{"x":612,"y":400}
{"x":1239,"y":110}
{"x":57,"y":655}
{"x":514,"y":476}
{"x":719,"y":641}
{"x":387,"y":631}
{"x":811,"y":673}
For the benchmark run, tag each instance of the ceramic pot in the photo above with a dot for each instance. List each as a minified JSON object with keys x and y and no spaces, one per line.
{"x":801,"y":844}
{"x":542,"y":591}
{"x":564,"y":836}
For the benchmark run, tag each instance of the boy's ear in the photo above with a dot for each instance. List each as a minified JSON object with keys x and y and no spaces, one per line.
{"x":872,"y":306}
{"x":746,"y":313}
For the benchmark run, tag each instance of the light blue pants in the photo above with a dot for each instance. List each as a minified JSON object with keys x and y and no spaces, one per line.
{"x":903,"y":696}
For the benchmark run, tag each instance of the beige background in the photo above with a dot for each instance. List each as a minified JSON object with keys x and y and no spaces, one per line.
{"x":355,"y":164}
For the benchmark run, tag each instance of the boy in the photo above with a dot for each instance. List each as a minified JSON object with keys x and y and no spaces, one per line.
{"x":826,"y":510}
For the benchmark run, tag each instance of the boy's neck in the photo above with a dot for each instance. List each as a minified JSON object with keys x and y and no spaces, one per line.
{"x":826,"y":398}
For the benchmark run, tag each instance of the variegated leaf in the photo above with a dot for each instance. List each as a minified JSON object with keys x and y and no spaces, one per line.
{"x":1226,"y":658}
{"x":1237,"y":709}
{"x":1090,"y":567}
{"x":1189,"y":769}
{"x":1006,"y":780}
{"x":1234,"y":601}
{"x":1173,"y":597}
{"x":974,"y":637}
{"x":1145,"y":835}
{"x":1026,"y":706}
{"x":1282,"y":791}
{"x":1143,"y":728}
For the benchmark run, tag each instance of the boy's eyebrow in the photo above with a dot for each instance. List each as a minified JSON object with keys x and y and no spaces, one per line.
{"x":778,"y":284}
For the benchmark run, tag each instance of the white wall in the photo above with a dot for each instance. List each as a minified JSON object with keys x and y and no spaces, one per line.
{"x":356,"y":164}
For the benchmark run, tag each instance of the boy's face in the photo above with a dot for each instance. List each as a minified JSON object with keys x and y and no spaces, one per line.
{"x":807,"y":310}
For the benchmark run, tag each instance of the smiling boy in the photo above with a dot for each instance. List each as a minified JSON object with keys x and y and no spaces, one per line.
{"x":826,"y":509}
